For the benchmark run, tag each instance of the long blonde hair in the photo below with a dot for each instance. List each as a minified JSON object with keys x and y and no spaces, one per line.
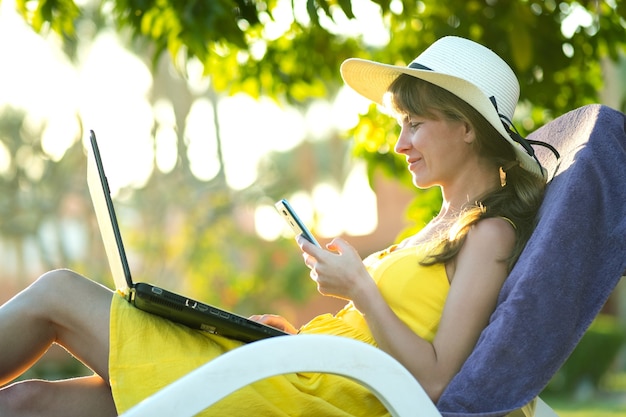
{"x":521,"y":193}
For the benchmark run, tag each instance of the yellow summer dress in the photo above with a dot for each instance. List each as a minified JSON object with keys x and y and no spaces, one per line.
{"x":148,"y":352}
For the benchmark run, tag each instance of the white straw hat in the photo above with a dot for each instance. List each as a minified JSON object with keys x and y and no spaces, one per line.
{"x":467,"y":69}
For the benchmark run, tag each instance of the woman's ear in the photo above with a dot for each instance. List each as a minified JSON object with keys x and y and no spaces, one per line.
{"x":470,"y":133}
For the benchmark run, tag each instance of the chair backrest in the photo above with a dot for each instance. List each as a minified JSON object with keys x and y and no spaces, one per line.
{"x":568,"y":269}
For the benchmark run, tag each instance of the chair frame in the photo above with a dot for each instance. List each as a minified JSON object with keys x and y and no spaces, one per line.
{"x":384,"y":376}
{"x":394,"y":386}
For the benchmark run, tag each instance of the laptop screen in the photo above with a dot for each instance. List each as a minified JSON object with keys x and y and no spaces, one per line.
{"x":107,"y":221}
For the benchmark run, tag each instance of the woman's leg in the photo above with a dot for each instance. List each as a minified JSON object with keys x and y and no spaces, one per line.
{"x":60,"y":307}
{"x":87,"y":396}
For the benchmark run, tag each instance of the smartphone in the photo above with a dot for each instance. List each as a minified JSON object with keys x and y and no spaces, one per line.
{"x":290,"y":216}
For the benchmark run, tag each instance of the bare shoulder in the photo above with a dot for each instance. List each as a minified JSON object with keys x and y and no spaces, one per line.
{"x":487,"y":244}
{"x":493,"y":227}
{"x":495,"y":233}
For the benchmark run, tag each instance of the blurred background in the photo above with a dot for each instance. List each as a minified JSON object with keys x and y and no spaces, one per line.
{"x":207,"y":112}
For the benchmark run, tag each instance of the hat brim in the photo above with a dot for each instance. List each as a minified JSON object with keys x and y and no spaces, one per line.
{"x":372,"y":80}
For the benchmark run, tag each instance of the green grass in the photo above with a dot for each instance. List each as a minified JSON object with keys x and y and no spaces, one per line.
{"x":608,"y":399}
{"x":602,"y":405}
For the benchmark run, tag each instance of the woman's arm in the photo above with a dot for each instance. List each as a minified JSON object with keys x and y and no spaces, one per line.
{"x":476,"y":278}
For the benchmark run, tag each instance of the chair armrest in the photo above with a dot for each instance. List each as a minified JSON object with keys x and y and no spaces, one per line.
{"x":392,"y":384}
{"x":544,"y":410}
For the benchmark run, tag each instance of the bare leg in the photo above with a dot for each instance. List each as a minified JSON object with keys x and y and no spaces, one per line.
{"x":87,"y":396}
{"x":60,"y":307}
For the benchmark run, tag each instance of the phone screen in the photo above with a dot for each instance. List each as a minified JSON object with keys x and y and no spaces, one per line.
{"x":292,"y":219}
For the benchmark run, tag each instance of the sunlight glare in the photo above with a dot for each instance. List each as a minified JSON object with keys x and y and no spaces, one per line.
{"x":318,"y":122}
{"x":396,"y":7}
{"x":577,"y":17}
{"x":346,"y":108}
{"x":302,"y":203}
{"x":197,"y":83}
{"x":268,"y":223}
{"x":34,"y":72}
{"x":358,"y":203}
{"x":114,"y":84}
{"x":5,"y":158}
{"x":251,"y":128}
{"x":166,"y":152}
{"x":274,"y":28}
{"x":368,"y":24}
{"x":60,"y":133}
{"x":165,"y":138}
{"x":326,"y":198}
{"x":200,"y":134}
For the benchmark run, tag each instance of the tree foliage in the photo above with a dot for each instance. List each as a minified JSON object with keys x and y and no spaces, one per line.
{"x":557,"y":57}
{"x":527,"y":33}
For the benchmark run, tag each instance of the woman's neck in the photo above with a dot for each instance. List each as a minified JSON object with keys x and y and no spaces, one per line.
{"x":467,"y":190}
{"x":452,"y":207}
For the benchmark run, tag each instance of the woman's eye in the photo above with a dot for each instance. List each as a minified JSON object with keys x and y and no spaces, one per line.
{"x":410,"y":123}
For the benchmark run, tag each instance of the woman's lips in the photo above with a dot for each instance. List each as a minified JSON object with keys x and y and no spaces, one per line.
{"x":413,"y":162}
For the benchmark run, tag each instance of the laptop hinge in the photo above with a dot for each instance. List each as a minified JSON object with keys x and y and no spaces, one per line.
{"x":131,"y":293}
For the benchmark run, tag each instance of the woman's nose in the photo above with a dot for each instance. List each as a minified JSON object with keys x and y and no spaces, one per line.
{"x":402,"y":144}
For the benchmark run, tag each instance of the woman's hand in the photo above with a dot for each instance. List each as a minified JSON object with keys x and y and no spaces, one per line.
{"x":338,"y":271}
{"x":273,"y":320}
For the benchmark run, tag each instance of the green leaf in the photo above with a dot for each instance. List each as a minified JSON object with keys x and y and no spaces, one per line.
{"x":346,"y":6}
{"x":521,"y":44}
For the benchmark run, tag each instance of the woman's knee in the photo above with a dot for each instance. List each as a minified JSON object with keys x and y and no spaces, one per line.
{"x":54,"y":287}
{"x":58,"y":297}
{"x":67,"y":297}
{"x":58,"y":278}
{"x":50,"y":292}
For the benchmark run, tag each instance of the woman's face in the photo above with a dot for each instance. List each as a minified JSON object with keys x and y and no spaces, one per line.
{"x":436,"y":149}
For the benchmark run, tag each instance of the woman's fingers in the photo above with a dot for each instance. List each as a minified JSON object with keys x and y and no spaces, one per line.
{"x":274,"y":320}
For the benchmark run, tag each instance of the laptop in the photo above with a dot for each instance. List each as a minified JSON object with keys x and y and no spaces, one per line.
{"x":147,"y":297}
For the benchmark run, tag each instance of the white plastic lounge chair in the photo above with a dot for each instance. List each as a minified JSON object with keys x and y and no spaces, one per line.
{"x":382,"y":374}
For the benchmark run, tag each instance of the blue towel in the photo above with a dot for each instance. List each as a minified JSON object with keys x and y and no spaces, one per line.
{"x":570,"y":266}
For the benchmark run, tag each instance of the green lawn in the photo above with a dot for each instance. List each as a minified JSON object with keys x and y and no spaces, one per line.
{"x":607,"y":399}
{"x":612,"y":406}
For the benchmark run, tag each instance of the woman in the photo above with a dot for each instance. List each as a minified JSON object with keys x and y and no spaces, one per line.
{"x":425,"y":301}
